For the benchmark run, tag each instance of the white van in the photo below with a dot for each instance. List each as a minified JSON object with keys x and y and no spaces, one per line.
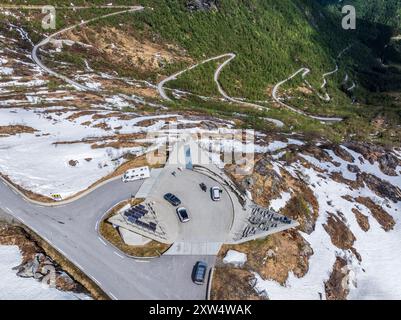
{"x":136,"y":174}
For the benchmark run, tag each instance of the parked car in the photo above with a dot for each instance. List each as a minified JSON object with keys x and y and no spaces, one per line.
{"x":172,"y":199}
{"x":203,"y":187}
{"x":199,"y":272}
{"x":215,"y":193}
{"x":183,"y":214}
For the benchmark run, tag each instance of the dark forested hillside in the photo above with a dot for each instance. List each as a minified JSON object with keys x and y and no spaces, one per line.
{"x":271,"y":39}
{"x":378,"y":11}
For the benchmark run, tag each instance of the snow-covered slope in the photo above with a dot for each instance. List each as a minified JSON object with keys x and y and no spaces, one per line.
{"x":376,"y":275}
{"x":13,"y":287}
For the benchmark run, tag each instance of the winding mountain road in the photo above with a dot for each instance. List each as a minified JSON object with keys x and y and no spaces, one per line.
{"x":161,"y":85}
{"x":45,"y":41}
{"x":275,"y":96}
{"x":230,"y":57}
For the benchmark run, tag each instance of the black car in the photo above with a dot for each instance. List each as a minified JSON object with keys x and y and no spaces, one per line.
{"x":199,"y":272}
{"x":203,"y":187}
{"x":172,"y":199}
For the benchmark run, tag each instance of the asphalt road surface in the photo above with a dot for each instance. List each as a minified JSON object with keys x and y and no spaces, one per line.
{"x":71,"y":229}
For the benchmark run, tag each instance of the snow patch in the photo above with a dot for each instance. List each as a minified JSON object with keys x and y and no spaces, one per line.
{"x":235,"y":258}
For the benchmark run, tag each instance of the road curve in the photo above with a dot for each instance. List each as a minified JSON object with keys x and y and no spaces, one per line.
{"x":52,"y":36}
{"x":160,"y":86}
{"x":326,"y":75}
{"x":326,"y":98}
{"x":276,"y":98}
{"x":224,"y":94}
{"x":72,"y":230}
{"x":230,"y":56}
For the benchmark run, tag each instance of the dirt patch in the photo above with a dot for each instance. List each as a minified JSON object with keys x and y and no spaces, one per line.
{"x":267,"y":184}
{"x":118,"y":115}
{"x":339,"y":152}
{"x":277,"y":255}
{"x":362,"y":220}
{"x":233,"y":284}
{"x":13,"y":130}
{"x":382,"y":217}
{"x":353,"y":184}
{"x":118,"y":145}
{"x":111,"y":234}
{"x":122,"y":49}
{"x":336,"y":287}
{"x":102,"y":125}
{"x":305,"y":90}
{"x":302,"y":207}
{"x":381,"y":187}
{"x":340,"y":235}
{"x":73,"y":163}
{"x":79,"y":114}
{"x":151,"y":122}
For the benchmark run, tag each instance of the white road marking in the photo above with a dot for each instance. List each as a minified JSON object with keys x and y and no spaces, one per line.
{"x":121,"y":256}
{"x":9,"y":210}
{"x":62,"y":252}
{"x":113,"y":296}
{"x":142,"y":261}
{"x":97,"y":281}
{"x":102,"y":241}
{"x":79,"y":266}
{"x":22,"y":220}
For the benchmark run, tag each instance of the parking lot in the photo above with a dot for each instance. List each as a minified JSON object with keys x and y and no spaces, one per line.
{"x":210,"y":221}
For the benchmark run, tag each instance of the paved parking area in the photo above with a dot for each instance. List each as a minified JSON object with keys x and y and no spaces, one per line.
{"x":210,"y":221}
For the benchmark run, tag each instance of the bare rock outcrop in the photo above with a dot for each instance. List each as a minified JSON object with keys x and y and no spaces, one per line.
{"x":341,"y":236}
{"x":197,"y":5}
{"x":337,"y":285}
{"x":382,"y":216}
{"x":35,"y":263}
{"x":363,"y":221}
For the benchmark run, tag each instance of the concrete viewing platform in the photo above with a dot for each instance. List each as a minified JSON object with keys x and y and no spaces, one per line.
{"x":234,"y":219}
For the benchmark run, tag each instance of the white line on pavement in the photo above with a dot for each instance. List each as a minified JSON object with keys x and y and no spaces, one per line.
{"x":22,"y":220}
{"x":142,"y":261}
{"x":121,"y":256}
{"x":102,"y":241}
{"x":78,"y":266}
{"x":97,"y":281}
{"x":62,"y":252}
{"x":113,"y":296}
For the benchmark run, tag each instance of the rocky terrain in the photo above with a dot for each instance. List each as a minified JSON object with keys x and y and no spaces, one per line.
{"x":36,"y":264}
{"x":194,"y":5}
{"x":347,"y":200}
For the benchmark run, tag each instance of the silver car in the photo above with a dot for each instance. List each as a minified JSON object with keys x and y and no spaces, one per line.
{"x":183,"y":214}
{"x":215,"y":193}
